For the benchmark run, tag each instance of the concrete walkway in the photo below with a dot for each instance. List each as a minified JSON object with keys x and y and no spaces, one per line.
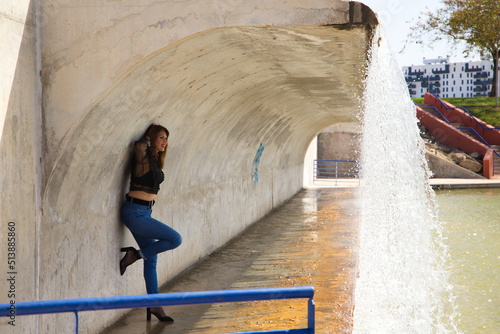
{"x":464,"y":183}
{"x":436,"y":183}
{"x":310,"y":240}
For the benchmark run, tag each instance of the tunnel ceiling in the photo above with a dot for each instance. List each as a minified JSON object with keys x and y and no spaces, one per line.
{"x":322,"y":66}
{"x":240,"y":86}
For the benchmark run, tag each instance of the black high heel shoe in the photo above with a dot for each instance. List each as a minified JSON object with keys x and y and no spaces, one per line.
{"x":131,"y":255}
{"x":164,"y":318}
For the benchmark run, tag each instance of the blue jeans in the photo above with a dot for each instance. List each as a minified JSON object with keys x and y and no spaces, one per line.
{"x":152,"y":236}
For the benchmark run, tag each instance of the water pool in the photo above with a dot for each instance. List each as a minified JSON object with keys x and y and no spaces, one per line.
{"x":471,"y":227}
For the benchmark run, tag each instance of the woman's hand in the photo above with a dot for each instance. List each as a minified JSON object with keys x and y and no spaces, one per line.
{"x":147,"y":141}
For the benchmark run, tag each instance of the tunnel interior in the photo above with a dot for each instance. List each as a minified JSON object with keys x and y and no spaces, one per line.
{"x":242,"y":105}
{"x":239,"y":128}
{"x":243,"y":87}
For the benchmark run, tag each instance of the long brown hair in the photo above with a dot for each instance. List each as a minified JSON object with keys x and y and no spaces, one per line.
{"x":153,"y":132}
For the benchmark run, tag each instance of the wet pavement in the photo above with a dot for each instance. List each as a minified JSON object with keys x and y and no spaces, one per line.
{"x":310,"y":240}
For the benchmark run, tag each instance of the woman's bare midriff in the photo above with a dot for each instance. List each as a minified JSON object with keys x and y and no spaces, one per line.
{"x":142,"y":195}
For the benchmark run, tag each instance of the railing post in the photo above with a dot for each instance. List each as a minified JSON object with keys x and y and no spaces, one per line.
{"x":311,"y":321}
{"x":315,"y":167}
{"x":76,"y":322}
{"x":336,"y":172}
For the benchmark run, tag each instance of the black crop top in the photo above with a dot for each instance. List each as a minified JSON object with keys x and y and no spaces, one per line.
{"x":146,"y":172}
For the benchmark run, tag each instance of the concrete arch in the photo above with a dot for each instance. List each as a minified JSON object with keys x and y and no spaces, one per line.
{"x":268,"y":88}
{"x":242,"y":104}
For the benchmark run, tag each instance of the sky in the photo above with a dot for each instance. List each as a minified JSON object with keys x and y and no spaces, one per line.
{"x":397,"y":16}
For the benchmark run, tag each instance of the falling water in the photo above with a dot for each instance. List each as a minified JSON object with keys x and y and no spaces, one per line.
{"x":402,"y":285}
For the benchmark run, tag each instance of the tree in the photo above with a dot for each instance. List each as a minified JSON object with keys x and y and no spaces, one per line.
{"x":477,"y":22}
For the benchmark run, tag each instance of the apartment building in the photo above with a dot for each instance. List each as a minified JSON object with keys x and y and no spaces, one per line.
{"x":447,"y":79}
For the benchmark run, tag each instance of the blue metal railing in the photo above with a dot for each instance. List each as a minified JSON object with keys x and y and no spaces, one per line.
{"x":465,"y":128}
{"x":167,"y":299}
{"x":335,"y":169}
{"x":461,"y":128}
{"x":465,"y":110}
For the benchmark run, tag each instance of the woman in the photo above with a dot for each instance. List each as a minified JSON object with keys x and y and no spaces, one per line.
{"x":152,"y":236}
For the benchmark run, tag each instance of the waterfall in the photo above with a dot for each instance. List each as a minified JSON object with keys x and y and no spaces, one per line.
{"x":402,"y":284}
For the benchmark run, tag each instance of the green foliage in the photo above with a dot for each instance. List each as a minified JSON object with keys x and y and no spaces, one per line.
{"x":418,"y":100}
{"x":477,"y":22}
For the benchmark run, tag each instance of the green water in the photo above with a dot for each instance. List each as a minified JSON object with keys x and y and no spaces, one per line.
{"x":471,"y":221}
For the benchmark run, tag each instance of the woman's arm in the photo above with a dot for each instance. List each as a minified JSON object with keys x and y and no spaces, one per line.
{"x":140,"y":149}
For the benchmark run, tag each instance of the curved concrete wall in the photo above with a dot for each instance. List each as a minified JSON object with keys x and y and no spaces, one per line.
{"x":242,"y":104}
{"x":19,"y":160}
{"x":100,"y":42}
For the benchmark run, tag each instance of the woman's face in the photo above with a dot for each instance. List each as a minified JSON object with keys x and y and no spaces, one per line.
{"x":161,"y":141}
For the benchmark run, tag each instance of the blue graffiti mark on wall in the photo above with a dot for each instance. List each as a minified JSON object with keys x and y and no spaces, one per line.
{"x":256,"y":162}
{"x":259,"y":153}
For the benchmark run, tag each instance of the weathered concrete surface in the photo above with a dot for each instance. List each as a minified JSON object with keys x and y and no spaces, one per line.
{"x":237,"y":100}
{"x":19,"y":171}
{"x":256,"y":93}
{"x":310,"y":240}
{"x":340,"y":141}
{"x":86,"y":47}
